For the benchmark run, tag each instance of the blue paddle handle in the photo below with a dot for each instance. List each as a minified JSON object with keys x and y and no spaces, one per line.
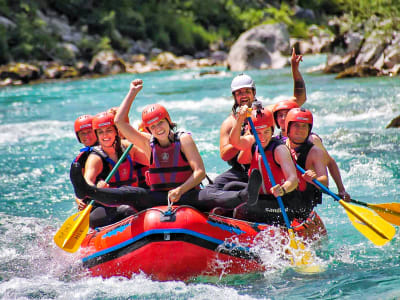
{"x":324,"y":188}
{"x":271,"y":177}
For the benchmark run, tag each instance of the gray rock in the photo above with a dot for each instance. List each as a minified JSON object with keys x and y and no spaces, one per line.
{"x":395,"y":123}
{"x":59,"y":25}
{"x":344,"y":52}
{"x":260,"y":48}
{"x":392,"y":52}
{"x":219,"y":56}
{"x":304,"y":13}
{"x":107,"y":62}
{"x":7,"y":23}
{"x":372,"y":49}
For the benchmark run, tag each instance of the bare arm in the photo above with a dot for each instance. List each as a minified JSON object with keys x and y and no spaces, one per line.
{"x":227,"y":151}
{"x":192,"y":154}
{"x":93,"y":168}
{"x":235,"y":138}
{"x":317,"y":161}
{"x":299,"y":92}
{"x":141,"y":140}
{"x":284,"y":159}
{"x":333,"y":168}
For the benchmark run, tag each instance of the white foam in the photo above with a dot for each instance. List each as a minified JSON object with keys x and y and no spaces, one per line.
{"x":35,"y":131}
{"x":207,"y":104}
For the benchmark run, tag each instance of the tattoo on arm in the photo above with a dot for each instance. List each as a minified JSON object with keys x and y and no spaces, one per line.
{"x":299,"y":84}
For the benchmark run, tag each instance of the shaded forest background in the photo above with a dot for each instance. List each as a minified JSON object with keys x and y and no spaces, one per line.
{"x":180,"y":26}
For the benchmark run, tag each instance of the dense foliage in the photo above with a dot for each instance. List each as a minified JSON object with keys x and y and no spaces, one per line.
{"x":181,"y":26}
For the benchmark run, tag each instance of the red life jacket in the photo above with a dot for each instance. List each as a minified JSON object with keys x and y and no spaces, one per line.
{"x":257,"y":163}
{"x":169,"y":167}
{"x":125,"y":174}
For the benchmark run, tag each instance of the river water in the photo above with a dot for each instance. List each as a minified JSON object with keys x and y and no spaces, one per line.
{"x":37,"y":145}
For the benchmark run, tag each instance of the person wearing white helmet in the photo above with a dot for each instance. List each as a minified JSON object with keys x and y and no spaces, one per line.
{"x":243,"y":90}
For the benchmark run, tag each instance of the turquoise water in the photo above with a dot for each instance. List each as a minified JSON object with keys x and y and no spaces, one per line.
{"x":37,"y":144}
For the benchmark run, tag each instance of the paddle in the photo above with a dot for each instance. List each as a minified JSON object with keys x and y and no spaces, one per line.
{"x":71,"y":234}
{"x":372,"y":226}
{"x":301,"y":258}
{"x":388,"y":211}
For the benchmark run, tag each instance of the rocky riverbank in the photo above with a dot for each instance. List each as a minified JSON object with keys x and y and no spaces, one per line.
{"x":104,"y":63}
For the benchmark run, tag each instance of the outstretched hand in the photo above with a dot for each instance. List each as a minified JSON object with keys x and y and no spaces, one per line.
{"x":296,"y":59}
{"x":136,"y":85}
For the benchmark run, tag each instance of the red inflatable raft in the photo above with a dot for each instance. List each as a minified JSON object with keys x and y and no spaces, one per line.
{"x":179,"y":244}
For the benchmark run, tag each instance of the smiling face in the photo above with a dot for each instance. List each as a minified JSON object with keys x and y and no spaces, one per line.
{"x":106,"y":136}
{"x":87,"y":137}
{"x":160,"y":130}
{"x":244,"y":96}
{"x":298,"y":132}
{"x":281,"y":117}
{"x":265,"y":135}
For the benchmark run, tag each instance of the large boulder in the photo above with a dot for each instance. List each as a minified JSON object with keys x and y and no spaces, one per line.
{"x":56,"y":71}
{"x":345,"y":49}
{"x":20,"y":72}
{"x":107,"y":62}
{"x":366,"y":49}
{"x":261,"y":47}
{"x":372,"y":49}
{"x":359,"y":71}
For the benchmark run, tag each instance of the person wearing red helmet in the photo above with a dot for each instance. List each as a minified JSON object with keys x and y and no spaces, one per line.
{"x":299,"y":123}
{"x":86,"y":136}
{"x":243,"y":90}
{"x":176,"y":168}
{"x":100,"y":162}
{"x":280,"y":111}
{"x":84,"y":131}
{"x":266,"y":208}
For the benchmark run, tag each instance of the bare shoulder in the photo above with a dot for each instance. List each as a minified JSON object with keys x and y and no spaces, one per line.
{"x":227,"y":125}
{"x":186,"y":138}
{"x":316,"y":140}
{"x":282,"y":149}
{"x":317,"y":153}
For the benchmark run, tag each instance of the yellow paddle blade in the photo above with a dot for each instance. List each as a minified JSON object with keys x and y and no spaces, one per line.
{"x":389,"y":211}
{"x":71,"y":234}
{"x":372,"y":226}
{"x":302,"y":259}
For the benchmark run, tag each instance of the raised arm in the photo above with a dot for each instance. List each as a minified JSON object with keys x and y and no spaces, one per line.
{"x":141,"y":140}
{"x":299,"y":92}
{"x":235,"y":137}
